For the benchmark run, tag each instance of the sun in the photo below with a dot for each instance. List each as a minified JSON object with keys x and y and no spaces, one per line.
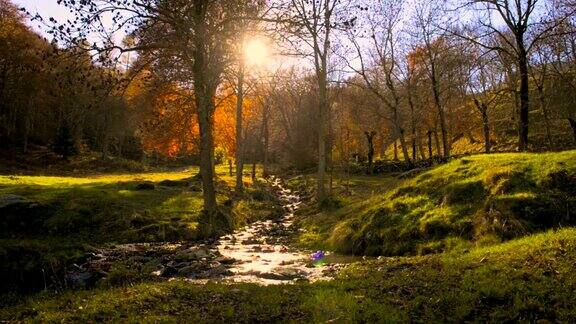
{"x":256,"y":52}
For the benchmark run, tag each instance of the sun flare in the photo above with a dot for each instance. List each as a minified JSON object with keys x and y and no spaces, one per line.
{"x":256,"y":52}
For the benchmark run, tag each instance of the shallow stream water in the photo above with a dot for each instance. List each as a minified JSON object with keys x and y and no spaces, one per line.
{"x":259,"y":253}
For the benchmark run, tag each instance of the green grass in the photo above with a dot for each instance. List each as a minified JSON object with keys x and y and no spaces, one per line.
{"x":472,"y":201}
{"x":526,"y":279}
{"x":79,"y":213}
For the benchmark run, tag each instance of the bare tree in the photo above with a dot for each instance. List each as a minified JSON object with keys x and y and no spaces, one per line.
{"x":380,"y":68}
{"x":485,"y":81}
{"x":521,"y":19}
{"x":309,"y":26}
{"x":431,"y":45}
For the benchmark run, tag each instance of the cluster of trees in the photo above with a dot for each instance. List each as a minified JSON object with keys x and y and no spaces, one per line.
{"x":409,"y":79}
{"x":53,"y":96}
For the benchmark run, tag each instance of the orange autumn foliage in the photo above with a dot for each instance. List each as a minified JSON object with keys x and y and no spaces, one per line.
{"x":172,"y":128}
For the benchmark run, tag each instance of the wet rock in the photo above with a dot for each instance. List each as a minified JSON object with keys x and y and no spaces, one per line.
{"x":168,"y":272}
{"x":225,"y":260}
{"x":83,"y":279}
{"x":171,"y":263}
{"x":193,"y":254}
{"x":11,"y":200}
{"x":284,"y":274}
{"x":94,"y":256}
{"x":251,"y":241}
{"x":267,"y":249}
{"x":17,"y":212}
{"x":189,"y":271}
{"x":218,"y":271}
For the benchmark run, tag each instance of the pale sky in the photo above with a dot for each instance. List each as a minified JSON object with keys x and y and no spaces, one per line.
{"x":46,"y":8}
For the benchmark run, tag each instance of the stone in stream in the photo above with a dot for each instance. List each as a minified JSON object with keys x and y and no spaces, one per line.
{"x":225,"y":260}
{"x":82,"y":279}
{"x":190,"y":271}
{"x":167,"y":272}
{"x":193,"y":254}
{"x":217,"y":271}
{"x":283,"y":274}
{"x":267,"y":249}
{"x":251,"y":241}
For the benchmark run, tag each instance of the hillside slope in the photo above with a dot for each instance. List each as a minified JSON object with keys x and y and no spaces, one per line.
{"x":527,"y":280}
{"x":472,"y":201}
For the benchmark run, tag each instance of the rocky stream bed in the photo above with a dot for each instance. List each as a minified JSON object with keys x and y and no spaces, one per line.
{"x":258,"y":253}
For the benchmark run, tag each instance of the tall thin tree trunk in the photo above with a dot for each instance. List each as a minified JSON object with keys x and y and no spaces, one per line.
{"x":205,"y":90}
{"x":321,"y":187}
{"x":483,"y":109}
{"x":430,"y":154}
{"x":420,"y":146}
{"x":206,"y":122}
{"x":437,"y":142}
{"x":544,"y":110}
{"x":572,"y":122}
{"x":524,"y":95}
{"x":441,"y":115}
{"x":239,"y":132}
{"x":400,"y":132}
{"x":486,"y":127}
{"x":395,"y":149}
{"x":382,"y":146}
{"x":413,"y":126}
{"x":254,"y":166}
{"x":265,"y":134}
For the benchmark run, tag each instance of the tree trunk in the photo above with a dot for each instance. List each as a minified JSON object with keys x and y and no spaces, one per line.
{"x":323,"y":105}
{"x":413,"y":127}
{"x":265,"y":134}
{"x":437,"y":142}
{"x":483,"y":109}
{"x":421,"y":147}
{"x":572,"y":122}
{"x":400,"y":132}
{"x":442,"y":117}
{"x":486,"y":127}
{"x":370,"y":138}
{"x":382,"y":146}
{"x":254,"y":166}
{"x":239,"y":133}
{"x":524,"y":95}
{"x":206,"y":79}
{"x":430,"y":154}
{"x":395,"y":149}
{"x":206,"y":123}
{"x":545,"y":115}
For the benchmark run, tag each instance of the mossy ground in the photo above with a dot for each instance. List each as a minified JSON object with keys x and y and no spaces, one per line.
{"x":526,"y":279}
{"x":486,"y":272}
{"x":471,"y":201}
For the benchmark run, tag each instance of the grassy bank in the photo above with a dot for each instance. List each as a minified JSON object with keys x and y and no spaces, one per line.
{"x":526,"y":279}
{"x":472,"y":201}
{"x":71,"y":215}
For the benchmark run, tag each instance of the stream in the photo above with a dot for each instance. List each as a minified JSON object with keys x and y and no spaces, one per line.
{"x":258,"y":253}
